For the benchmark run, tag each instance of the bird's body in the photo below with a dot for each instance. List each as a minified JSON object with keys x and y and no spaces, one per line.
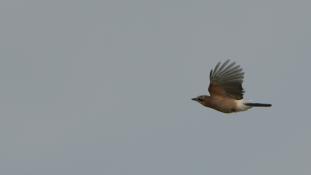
{"x":225,"y":105}
{"x":226,"y":92}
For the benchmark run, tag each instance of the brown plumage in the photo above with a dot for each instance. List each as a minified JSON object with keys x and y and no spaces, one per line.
{"x":226,"y":91}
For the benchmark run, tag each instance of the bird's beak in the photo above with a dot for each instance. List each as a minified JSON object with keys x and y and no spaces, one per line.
{"x":194,"y":99}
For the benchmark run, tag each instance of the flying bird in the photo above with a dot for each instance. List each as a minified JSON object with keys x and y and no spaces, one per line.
{"x":226,"y":91}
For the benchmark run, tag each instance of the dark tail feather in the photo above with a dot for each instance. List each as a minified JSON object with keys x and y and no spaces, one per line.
{"x":258,"y":104}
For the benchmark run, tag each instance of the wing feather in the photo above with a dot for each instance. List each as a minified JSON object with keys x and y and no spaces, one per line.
{"x":226,"y":80}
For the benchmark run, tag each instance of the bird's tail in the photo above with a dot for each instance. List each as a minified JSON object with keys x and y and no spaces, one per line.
{"x":258,"y":104}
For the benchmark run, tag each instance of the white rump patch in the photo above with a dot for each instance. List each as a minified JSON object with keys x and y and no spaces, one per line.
{"x":241,"y":106}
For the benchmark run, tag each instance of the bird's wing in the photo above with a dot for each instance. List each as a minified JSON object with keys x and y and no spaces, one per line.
{"x":226,"y":80}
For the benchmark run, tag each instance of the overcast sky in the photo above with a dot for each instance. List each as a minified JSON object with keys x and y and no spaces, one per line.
{"x":105,"y":87}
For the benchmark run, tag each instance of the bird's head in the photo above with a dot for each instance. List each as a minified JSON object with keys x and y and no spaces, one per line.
{"x":201,"y":99}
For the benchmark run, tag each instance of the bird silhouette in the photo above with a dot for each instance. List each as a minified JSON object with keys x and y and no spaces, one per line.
{"x":226,"y":91}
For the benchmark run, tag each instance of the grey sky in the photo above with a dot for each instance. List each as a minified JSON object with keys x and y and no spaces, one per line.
{"x":104,"y":87}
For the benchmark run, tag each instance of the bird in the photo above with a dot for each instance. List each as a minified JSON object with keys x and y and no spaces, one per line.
{"x":226,"y":91}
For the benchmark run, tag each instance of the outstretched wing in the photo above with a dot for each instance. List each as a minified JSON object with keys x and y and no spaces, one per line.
{"x":226,"y":80}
